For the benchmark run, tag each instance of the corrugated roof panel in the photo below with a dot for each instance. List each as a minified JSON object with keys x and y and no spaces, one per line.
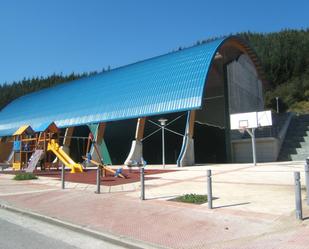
{"x":170,"y":83}
{"x":7,"y":132}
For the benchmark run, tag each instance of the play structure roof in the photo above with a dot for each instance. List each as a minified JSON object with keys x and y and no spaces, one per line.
{"x":23,"y":129}
{"x":46,"y":127}
{"x":169,"y":83}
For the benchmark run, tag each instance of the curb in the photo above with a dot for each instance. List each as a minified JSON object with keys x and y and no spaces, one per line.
{"x":118,"y":240}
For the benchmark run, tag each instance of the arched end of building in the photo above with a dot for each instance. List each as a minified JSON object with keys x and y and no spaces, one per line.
{"x":233,"y":85}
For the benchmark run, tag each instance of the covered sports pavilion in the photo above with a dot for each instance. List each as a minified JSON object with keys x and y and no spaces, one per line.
{"x":195,"y":89}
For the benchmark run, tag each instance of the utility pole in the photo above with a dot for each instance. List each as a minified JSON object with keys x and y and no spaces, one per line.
{"x":163,"y":123}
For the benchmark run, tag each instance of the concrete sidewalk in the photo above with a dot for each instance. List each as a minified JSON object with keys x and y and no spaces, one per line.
{"x":254,"y":207}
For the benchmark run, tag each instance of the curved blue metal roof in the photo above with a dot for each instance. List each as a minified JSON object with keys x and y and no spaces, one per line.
{"x":169,"y":83}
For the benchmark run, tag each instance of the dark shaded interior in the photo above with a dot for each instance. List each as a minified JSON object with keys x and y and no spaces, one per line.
{"x":210,"y":126}
{"x":209,"y":144}
{"x":78,"y":145}
{"x":152,"y":146}
{"x":118,"y":138}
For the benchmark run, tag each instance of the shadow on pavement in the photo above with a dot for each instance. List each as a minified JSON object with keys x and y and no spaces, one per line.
{"x":232,"y":205}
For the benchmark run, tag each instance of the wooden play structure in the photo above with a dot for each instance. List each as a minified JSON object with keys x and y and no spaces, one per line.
{"x":44,"y":134}
{"x":39,"y":147}
{"x":24,"y":142}
{"x":48,"y":146}
{"x":30,"y":146}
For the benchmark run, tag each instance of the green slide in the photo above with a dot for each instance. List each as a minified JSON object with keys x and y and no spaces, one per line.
{"x":103,"y":148}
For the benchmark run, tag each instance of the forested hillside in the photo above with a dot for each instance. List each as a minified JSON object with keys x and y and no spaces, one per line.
{"x":284,"y":56}
{"x":11,"y":91}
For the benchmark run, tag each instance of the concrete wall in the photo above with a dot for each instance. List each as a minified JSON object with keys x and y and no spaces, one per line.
{"x":267,"y":150}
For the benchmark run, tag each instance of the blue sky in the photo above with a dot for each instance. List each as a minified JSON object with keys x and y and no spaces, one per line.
{"x":41,"y":37}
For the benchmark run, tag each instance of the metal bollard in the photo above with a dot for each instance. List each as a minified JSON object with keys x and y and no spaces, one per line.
{"x":209,"y":189}
{"x":307,"y":179}
{"x":298,"y":204}
{"x":142,"y":171}
{"x":98,"y":191}
{"x":62,"y":177}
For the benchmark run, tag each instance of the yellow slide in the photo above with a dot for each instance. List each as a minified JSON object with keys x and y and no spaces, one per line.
{"x":63,"y":157}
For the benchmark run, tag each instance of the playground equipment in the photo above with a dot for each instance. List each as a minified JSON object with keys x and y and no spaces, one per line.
{"x":98,"y":131}
{"x":104,"y":168}
{"x":8,"y":162}
{"x":63,"y":157}
{"x":39,"y":146}
{"x":99,"y":164}
{"x":45,"y":133}
{"x":34,"y":160}
{"x":23,"y":146}
{"x":10,"y":157}
{"x":40,"y":156}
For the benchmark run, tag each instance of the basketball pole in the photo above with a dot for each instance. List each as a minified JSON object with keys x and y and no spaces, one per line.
{"x":249,"y":122}
{"x":252,"y":135}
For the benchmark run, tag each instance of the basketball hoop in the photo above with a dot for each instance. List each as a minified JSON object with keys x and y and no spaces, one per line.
{"x":243,"y":125}
{"x":242,"y":129}
{"x":249,"y":122}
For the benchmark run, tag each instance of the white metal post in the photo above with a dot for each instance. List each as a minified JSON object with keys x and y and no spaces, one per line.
{"x":63,"y":176}
{"x":142,"y":179}
{"x":307,"y":179}
{"x":253,"y":146}
{"x":209,"y":189}
{"x":98,"y":191}
{"x":277,"y":102}
{"x":252,"y":135}
{"x":298,"y":200}
{"x":163,"y":147}
{"x":163,"y":123}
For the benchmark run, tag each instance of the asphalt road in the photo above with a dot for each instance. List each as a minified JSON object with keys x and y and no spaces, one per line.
{"x":21,"y":232}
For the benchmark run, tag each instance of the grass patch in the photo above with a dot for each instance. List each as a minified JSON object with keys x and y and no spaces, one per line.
{"x":25,"y":176}
{"x":191,"y":198}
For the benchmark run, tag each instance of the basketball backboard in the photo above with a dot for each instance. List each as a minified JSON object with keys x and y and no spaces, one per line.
{"x":247,"y":120}
{"x":264,"y":119}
